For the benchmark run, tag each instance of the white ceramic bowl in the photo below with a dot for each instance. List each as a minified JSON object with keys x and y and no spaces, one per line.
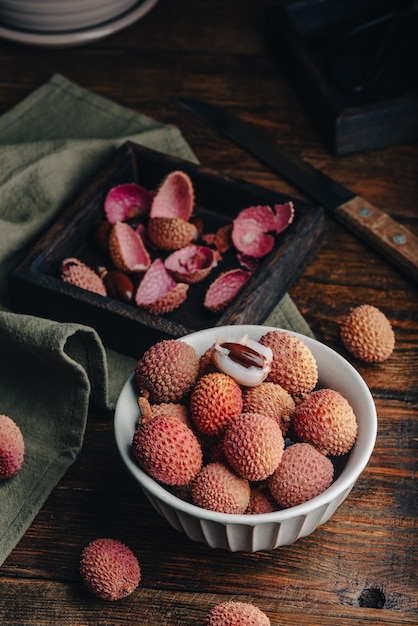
{"x":61,"y":16}
{"x":250,"y":533}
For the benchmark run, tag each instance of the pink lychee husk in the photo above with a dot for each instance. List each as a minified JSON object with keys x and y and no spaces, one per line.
{"x":158,"y":292}
{"x":174,"y":197}
{"x":224,"y":289}
{"x":191,"y":264}
{"x":170,"y":233}
{"x":254,"y":228}
{"x":77,"y":273}
{"x":127,"y":249}
{"x":126,"y":201}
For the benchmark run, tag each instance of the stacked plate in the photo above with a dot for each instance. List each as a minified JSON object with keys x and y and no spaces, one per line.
{"x":67,"y":22}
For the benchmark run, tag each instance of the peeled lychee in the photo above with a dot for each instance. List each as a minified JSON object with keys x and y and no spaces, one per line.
{"x":293,"y":366}
{"x":167,"y":370}
{"x":237,"y":614}
{"x":109,"y":569}
{"x":217,"y":488}
{"x":367,"y":334}
{"x":215,"y":400}
{"x":168,"y":450}
{"x":253,"y":444}
{"x":12,"y":447}
{"x":326,"y":420}
{"x":270,"y":399}
{"x":303,"y":473}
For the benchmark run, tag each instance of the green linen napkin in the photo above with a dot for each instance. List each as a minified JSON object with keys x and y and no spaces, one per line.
{"x":51,"y":144}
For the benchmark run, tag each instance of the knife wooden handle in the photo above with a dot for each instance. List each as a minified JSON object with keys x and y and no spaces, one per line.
{"x":393,"y":240}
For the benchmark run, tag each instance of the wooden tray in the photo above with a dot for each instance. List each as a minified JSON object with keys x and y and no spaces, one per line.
{"x":355,"y":66}
{"x":37,"y":288}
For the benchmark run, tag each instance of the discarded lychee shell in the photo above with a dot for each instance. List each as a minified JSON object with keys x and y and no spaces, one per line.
{"x":174,"y":197}
{"x":158,"y":292}
{"x":127,"y":249}
{"x":170,"y":233}
{"x":191,"y":264}
{"x":224,"y":289}
{"x":254,"y":228}
{"x":126,"y":201}
{"x":77,"y":273}
{"x":221,"y":239}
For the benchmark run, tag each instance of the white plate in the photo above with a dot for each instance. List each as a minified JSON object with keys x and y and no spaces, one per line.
{"x":81,"y":36}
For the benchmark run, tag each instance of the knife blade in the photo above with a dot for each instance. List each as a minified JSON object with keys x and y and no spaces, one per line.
{"x":393,"y":240}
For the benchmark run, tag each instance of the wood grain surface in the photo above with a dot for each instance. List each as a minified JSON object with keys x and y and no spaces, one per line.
{"x":361,"y":566}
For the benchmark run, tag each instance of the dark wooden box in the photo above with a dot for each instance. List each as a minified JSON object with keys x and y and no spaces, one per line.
{"x":36,"y":286}
{"x":354,"y":65}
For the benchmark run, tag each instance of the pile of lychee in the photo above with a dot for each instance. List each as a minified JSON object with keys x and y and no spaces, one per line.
{"x":242,"y":428}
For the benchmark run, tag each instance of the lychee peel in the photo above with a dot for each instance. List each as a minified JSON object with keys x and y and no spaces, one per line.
{"x":109,"y":569}
{"x":127,"y":249}
{"x":12,"y":447}
{"x":158,"y":292}
{"x":168,"y":450}
{"x":77,"y":273}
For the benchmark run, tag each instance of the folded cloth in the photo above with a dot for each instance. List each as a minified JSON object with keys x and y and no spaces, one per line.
{"x":51,"y":144}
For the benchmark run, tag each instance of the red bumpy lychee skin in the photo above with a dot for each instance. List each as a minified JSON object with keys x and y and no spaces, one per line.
{"x":237,"y":614}
{"x":215,"y":400}
{"x":217,"y":488}
{"x":109,"y":569}
{"x":253,"y":445}
{"x":303,"y":473}
{"x":270,"y":399}
{"x":168,"y":450}
{"x":167,"y":370}
{"x":12,"y":447}
{"x":294,"y":366}
{"x":326,"y":420}
{"x":367,"y":334}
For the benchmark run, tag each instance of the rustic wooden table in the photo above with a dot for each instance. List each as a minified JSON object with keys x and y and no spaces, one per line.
{"x":358,"y":568}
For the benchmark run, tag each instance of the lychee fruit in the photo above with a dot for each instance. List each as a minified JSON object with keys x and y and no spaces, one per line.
{"x":217,"y":488}
{"x":215,"y":400}
{"x":232,"y":613}
{"x":368,"y":334}
{"x":12,"y":447}
{"x":168,"y":450}
{"x":270,"y":399}
{"x":326,"y":420}
{"x":293,"y":366}
{"x":167,"y":370}
{"x":109,"y":569}
{"x":303,"y":473}
{"x":261,"y":501}
{"x":77,"y":273}
{"x":253,"y":444}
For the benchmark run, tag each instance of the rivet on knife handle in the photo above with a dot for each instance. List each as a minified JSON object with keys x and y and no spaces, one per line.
{"x":384,"y":233}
